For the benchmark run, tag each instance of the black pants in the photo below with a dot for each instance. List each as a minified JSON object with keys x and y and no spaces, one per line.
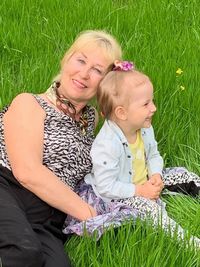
{"x":30,"y":230}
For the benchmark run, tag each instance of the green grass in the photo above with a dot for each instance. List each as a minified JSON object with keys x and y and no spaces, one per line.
{"x":159,"y":36}
{"x":132,"y":246}
{"x":138,"y":244}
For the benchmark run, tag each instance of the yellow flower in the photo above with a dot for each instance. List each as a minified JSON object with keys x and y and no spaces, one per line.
{"x":179,"y":71}
{"x":182,"y":87}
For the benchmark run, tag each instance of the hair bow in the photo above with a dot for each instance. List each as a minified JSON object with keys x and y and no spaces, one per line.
{"x":123,"y":65}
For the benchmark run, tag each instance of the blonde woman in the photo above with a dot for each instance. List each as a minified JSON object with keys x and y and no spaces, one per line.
{"x":45,"y":143}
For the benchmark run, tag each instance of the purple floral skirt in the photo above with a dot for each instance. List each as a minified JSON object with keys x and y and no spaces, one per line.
{"x":115,"y":213}
{"x":110,"y":214}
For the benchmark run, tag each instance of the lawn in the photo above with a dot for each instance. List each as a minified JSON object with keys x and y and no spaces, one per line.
{"x":160,"y":37}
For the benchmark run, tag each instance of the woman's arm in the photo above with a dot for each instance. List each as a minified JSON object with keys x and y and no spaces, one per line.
{"x":24,"y":130}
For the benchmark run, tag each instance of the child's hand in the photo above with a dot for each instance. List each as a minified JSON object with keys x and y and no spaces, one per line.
{"x":156,"y":179}
{"x":148,"y":190}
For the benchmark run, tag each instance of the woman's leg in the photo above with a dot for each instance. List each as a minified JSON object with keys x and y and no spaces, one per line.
{"x":53,"y":249}
{"x":30,"y":230}
{"x":19,"y":245}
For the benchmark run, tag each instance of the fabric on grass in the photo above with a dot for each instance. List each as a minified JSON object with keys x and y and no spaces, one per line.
{"x":115,"y":213}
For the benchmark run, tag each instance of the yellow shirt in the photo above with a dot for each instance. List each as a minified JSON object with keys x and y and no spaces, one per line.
{"x":138,"y":164}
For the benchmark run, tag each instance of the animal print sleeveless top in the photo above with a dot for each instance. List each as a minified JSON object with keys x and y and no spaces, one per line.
{"x":66,"y":151}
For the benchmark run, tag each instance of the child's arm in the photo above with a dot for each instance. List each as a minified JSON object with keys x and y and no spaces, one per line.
{"x":107,"y":165}
{"x":154,"y":159}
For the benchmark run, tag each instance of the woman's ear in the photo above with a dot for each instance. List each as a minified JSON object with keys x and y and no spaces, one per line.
{"x":120,"y":113}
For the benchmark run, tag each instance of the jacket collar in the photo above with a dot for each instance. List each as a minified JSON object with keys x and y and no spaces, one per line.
{"x":117,"y":130}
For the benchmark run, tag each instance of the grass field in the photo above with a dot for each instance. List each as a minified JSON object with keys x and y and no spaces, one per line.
{"x":160,"y":36}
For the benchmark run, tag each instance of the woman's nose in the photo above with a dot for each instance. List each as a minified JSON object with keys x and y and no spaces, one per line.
{"x":85,"y":72}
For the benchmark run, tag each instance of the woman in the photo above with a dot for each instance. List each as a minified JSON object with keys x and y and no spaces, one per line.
{"x":45,"y":143}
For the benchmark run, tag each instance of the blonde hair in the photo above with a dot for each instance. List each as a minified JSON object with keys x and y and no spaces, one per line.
{"x":112,"y":92}
{"x":105,"y":41}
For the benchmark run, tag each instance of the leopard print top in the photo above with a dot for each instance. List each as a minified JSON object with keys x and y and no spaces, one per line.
{"x":66,"y":151}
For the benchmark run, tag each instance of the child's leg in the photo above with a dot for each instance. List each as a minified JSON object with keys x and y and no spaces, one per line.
{"x":151,"y":209}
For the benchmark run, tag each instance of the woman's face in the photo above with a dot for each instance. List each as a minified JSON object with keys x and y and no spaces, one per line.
{"x":82,"y":73}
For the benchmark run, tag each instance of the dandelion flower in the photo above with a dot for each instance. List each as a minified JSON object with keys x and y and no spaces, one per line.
{"x":179,"y":71}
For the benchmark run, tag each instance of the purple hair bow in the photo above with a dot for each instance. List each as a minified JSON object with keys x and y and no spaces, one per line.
{"x":123,"y":65}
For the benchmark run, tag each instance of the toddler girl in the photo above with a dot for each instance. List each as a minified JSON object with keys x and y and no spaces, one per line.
{"x":127,"y":166}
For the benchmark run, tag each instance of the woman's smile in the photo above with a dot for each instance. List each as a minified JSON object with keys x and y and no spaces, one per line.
{"x":79,"y":84}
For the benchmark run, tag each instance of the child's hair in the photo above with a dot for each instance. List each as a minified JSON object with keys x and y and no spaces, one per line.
{"x":112,"y":90}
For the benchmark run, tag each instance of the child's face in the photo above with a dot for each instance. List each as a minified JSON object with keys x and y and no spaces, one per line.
{"x":141,"y":107}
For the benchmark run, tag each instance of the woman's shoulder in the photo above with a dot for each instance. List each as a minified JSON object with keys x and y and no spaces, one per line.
{"x":24,"y":102}
{"x":91,"y":110}
{"x":23,"y":98}
{"x":91,"y":116}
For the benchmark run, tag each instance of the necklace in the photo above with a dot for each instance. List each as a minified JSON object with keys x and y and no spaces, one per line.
{"x":64,"y":105}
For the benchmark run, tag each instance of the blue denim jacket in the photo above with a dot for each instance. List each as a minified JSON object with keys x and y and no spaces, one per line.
{"x":111,"y":176}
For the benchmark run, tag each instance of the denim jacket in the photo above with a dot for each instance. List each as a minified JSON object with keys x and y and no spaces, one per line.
{"x":111,"y":176}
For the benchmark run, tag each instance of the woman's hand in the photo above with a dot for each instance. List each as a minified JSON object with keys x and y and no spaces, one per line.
{"x":92,"y":212}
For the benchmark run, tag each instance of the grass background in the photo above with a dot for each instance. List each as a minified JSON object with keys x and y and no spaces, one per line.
{"x":160,"y":36}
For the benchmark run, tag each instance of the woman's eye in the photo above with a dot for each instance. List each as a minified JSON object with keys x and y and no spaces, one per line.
{"x":82,"y":61}
{"x":98,"y":71}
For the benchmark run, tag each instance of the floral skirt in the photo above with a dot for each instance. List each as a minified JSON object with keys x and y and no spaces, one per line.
{"x":116,"y":213}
